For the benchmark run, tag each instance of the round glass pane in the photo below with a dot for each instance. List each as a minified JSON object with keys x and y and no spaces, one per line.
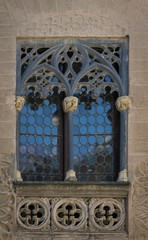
{"x":31,"y":139}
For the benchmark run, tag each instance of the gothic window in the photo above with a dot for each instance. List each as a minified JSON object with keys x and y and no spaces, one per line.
{"x":55,"y":134}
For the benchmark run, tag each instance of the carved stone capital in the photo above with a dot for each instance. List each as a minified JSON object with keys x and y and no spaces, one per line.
{"x":123,"y":176}
{"x":19,"y":103}
{"x":70,"y":104}
{"x":71,"y":176}
{"x":123,"y":103}
{"x":19,"y":178}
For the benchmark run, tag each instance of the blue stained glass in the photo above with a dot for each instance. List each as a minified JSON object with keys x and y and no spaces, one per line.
{"x":100,"y":129}
{"x":54,"y":141}
{"x":47,"y":121}
{"x":75,"y":120}
{"x":100,"y":100}
{"x":100,"y":140}
{"x":107,"y":120}
{"x":54,"y":131}
{"x":46,"y":102}
{"x":31,"y":149}
{"x":100,"y":119}
{"x":31,"y":120}
{"x":83,"y":150}
{"x":54,"y":150}
{"x":83,"y":109}
{"x":92,"y":129}
{"x":39,"y":150}
{"x":23,"y":129}
{"x":39,"y":120}
{"x":83,"y":120}
{"x":107,"y":78}
{"x":39,"y":111}
{"x":92,"y":110}
{"x":83,"y":140}
{"x":76,"y":130}
{"x":47,"y":131}
{"x":108,"y":129}
{"x":23,"y":119}
{"x":39,"y":130}
{"x":31,"y":130}
{"x":83,"y":130}
{"x":47,"y":140}
{"x":92,"y":139}
{"x":23,"y":139}
{"x":47,"y":150}
{"x":23,"y":149}
{"x":31,"y":139}
{"x":30,"y":111}
{"x":39,"y":140}
{"x":76,"y":150}
{"x":107,"y":108}
{"x":91,"y":119}
{"x":100,"y":109}
{"x":24,"y":110}
{"x":75,"y":140}
{"x":47,"y":111}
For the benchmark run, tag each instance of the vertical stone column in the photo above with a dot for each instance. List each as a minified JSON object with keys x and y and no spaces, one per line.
{"x":19,"y":103}
{"x":123,"y":104}
{"x":69,"y":106}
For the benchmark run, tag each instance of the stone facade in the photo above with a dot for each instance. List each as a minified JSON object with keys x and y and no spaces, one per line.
{"x":55,"y":19}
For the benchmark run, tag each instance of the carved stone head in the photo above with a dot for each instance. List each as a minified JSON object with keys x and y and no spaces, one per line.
{"x":19,"y":103}
{"x":123,"y":103}
{"x":70,"y":104}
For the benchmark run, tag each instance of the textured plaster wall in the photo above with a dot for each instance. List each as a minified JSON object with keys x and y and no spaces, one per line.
{"x":83,"y":18}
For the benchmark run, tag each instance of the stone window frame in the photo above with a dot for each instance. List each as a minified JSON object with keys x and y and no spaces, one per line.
{"x":124,"y":81}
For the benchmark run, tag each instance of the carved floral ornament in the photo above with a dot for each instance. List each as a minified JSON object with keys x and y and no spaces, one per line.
{"x":123,"y":103}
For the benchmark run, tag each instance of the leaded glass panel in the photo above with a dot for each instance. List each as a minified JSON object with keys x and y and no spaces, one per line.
{"x":41,"y":138}
{"x":94,"y":137}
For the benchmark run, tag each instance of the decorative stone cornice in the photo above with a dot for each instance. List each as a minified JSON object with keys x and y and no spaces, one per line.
{"x":70,"y":104}
{"x":19,"y":103}
{"x":123,"y":176}
{"x":123,"y":103}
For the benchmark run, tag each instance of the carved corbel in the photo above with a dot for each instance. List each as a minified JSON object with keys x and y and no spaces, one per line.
{"x":19,"y":103}
{"x":70,"y":104}
{"x":123,"y":176}
{"x":123,"y":103}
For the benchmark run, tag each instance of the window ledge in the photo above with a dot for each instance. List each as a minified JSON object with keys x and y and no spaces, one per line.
{"x":72,"y":189}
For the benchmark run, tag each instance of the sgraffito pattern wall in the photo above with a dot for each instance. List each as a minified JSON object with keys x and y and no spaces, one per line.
{"x":7,"y":201}
{"x":63,"y":19}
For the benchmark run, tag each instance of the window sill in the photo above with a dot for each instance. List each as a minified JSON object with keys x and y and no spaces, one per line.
{"x":72,"y":189}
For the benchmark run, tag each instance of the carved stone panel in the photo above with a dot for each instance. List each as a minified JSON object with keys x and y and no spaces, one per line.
{"x":69,"y":214}
{"x":106,"y":214}
{"x":33,"y":213}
